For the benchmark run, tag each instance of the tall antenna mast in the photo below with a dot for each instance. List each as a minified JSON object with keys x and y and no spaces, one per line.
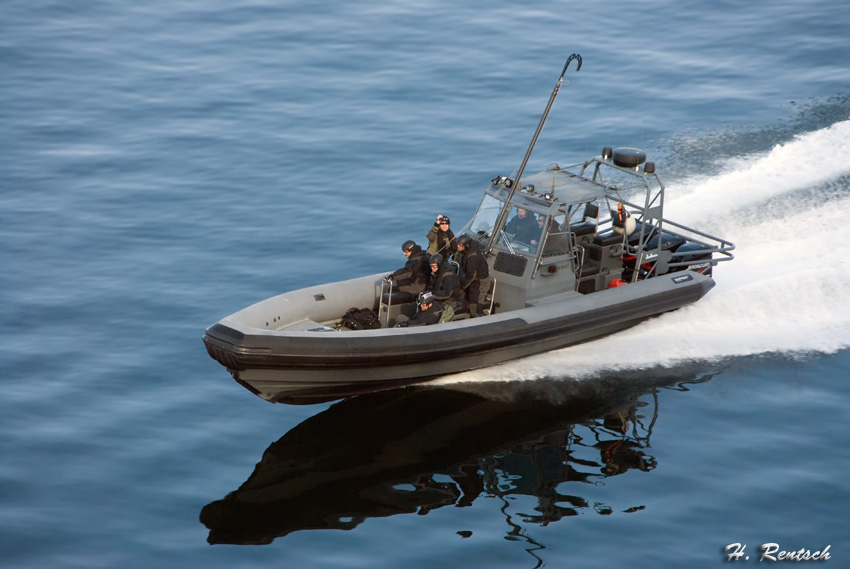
{"x":500,"y":222}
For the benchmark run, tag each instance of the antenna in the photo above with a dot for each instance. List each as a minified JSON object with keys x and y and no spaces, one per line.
{"x":500,"y":222}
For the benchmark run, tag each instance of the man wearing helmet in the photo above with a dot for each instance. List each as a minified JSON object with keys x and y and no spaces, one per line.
{"x":410,"y":280}
{"x":429,"y":312}
{"x":441,"y":239}
{"x":474,"y":273}
{"x":444,"y":284}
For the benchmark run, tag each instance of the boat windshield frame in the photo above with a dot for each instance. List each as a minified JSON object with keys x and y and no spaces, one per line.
{"x":570,"y":189}
{"x":563,"y":213}
{"x":491,"y":205}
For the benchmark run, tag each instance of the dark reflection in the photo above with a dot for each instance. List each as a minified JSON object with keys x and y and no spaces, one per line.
{"x":415,"y":449}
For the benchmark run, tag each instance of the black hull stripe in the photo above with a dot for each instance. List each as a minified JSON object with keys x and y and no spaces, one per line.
{"x":350,"y":352}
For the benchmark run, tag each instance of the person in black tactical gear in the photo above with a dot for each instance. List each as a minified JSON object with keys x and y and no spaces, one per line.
{"x":474,"y":273}
{"x":444,"y":285}
{"x":524,"y":227}
{"x":441,"y":239}
{"x":411,"y":279}
{"x":429,"y":312}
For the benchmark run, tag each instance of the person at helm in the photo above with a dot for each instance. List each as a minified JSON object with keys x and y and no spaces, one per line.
{"x":523,"y":226}
{"x":411,"y":279}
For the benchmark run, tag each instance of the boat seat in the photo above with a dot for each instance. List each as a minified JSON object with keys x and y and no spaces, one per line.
{"x":586,"y":285}
{"x":587,"y":278}
{"x":583,"y":229}
{"x":608,"y":240}
{"x":608,"y":256}
{"x":450,"y":314}
{"x":398,"y":297}
{"x":596,"y":274}
{"x":594,"y":252}
{"x":604,"y":256}
{"x":583,"y":233}
{"x":589,"y":270}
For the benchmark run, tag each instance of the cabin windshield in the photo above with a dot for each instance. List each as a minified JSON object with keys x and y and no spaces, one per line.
{"x":531,"y":222}
{"x":522,"y":231}
{"x":485,"y":218}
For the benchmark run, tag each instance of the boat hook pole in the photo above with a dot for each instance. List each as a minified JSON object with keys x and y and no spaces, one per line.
{"x":500,"y":222}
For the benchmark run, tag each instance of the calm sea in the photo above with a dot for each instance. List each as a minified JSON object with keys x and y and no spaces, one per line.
{"x":164,"y":164}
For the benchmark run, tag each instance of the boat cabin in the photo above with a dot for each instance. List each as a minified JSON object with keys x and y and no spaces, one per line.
{"x":569,"y":231}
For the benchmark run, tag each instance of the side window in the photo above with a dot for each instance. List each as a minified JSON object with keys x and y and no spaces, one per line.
{"x":557,"y":239}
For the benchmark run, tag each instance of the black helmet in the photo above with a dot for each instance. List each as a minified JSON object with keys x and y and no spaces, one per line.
{"x":436,"y":259}
{"x":464,"y":240}
{"x":408,"y":245}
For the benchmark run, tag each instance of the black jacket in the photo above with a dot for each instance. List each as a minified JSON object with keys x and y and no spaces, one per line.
{"x":427,"y":317}
{"x":524,"y":229}
{"x":415,"y":271}
{"x":473,"y":265}
{"x":444,"y":285}
{"x":442,"y":242}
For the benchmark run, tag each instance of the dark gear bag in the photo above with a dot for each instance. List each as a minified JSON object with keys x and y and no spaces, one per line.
{"x":360,"y":319}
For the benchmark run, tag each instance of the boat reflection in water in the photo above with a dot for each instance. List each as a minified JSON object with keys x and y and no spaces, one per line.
{"x":417,"y":448}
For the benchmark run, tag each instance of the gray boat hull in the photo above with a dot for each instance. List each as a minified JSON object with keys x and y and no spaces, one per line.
{"x":311,"y":360}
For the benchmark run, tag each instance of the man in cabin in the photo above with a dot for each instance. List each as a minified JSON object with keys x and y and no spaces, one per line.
{"x":523,"y":227}
{"x":541,"y":221}
{"x":441,"y":239}
{"x":411,"y":279}
{"x":556,"y":241}
{"x":473,"y":274}
{"x":429,"y":313}
{"x":444,"y":285}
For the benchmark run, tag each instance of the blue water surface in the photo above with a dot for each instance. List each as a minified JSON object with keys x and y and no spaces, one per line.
{"x":166,"y":164}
